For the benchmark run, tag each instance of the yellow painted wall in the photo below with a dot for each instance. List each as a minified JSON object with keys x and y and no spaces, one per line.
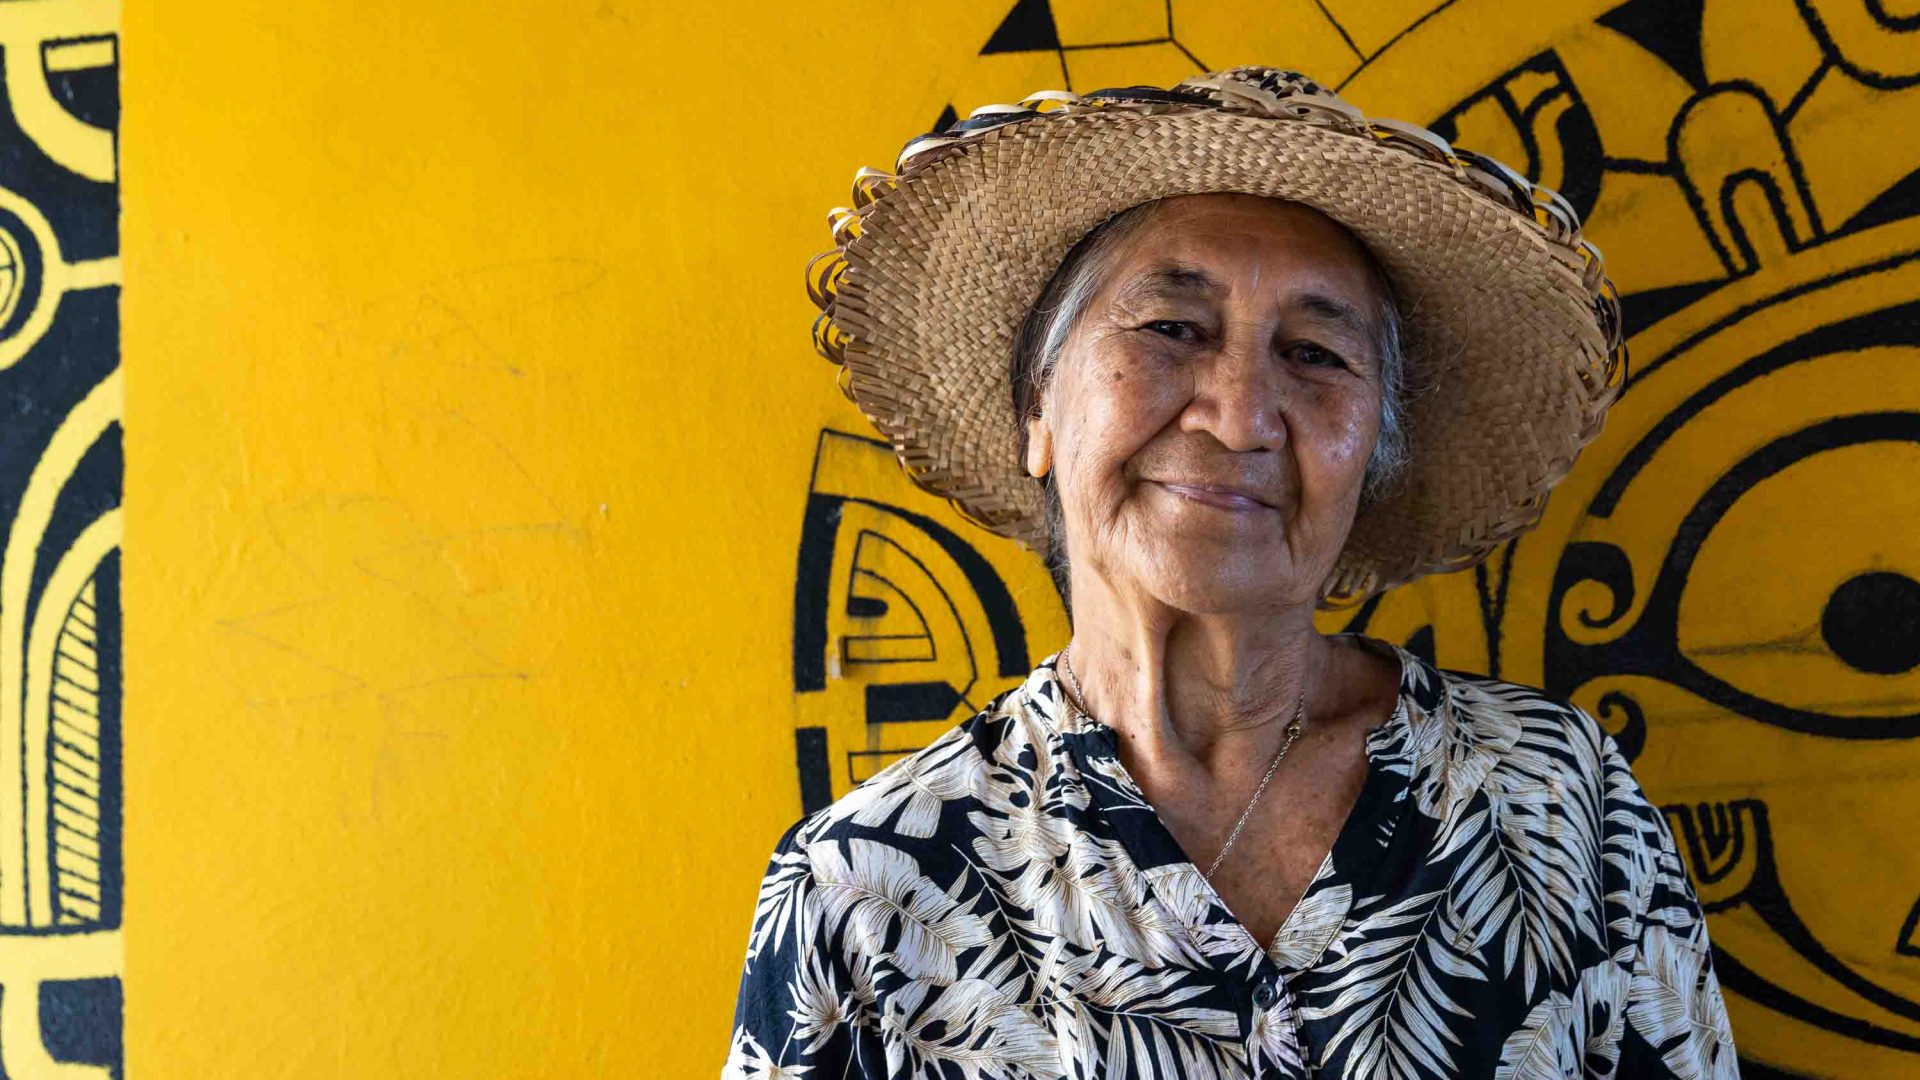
{"x":473,"y":427}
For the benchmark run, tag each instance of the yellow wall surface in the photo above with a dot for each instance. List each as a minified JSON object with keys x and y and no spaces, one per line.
{"x":503,"y":573}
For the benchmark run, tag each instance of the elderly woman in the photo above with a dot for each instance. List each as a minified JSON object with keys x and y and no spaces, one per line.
{"x":1230,"y":353}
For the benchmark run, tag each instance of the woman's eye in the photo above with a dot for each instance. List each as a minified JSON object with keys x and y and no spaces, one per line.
{"x":1176,"y":329}
{"x":1317,"y":356}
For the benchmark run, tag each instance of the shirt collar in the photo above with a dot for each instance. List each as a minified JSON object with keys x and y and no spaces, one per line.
{"x":1422,"y":691}
{"x":1115,"y":805}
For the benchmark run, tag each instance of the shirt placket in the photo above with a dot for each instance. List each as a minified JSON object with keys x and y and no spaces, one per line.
{"x":1274,"y":1046}
{"x":1249,"y":981}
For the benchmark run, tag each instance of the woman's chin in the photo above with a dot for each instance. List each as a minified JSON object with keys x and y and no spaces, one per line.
{"x":1217,"y":588}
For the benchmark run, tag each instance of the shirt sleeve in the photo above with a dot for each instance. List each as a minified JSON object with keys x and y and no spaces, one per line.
{"x":799,"y":1011}
{"x":1675,"y":1020}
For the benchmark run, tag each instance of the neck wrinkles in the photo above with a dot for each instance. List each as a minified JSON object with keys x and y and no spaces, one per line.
{"x":1219,"y":691}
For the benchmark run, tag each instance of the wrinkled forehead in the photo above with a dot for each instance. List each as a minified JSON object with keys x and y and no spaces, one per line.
{"x":1168,"y":282}
{"x":1241,"y":248}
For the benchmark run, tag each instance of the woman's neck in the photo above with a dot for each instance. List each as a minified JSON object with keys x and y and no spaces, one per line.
{"x":1214,"y":688}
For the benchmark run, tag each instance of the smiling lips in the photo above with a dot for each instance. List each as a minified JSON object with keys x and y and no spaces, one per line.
{"x":1218,"y":495}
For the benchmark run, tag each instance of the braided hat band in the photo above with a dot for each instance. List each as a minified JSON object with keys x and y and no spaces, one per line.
{"x":1508,"y":311}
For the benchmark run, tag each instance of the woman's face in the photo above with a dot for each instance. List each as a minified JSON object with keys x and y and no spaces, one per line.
{"x":1210,"y":418}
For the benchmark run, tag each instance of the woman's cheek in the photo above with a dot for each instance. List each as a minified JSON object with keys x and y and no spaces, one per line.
{"x":1153,"y":397}
{"x":1125,"y":409}
{"x":1350,"y":438}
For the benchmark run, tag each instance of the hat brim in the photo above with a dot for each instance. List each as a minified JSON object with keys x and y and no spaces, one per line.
{"x":1500,"y":315}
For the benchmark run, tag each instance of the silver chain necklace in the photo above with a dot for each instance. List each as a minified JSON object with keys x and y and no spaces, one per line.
{"x":1295,"y":727}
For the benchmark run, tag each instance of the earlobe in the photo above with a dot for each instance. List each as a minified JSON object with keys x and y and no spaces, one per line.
{"x":1039,"y":447}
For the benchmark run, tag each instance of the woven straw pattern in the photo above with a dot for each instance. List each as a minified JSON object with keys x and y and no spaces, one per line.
{"x":1508,"y":309}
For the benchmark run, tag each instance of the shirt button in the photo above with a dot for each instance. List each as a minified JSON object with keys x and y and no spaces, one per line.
{"x":1265,"y":995}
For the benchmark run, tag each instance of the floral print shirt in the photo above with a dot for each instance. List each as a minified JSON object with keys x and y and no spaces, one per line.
{"x":1502,"y":901}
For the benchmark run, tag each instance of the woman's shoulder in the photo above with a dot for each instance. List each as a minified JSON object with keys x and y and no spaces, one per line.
{"x":1539,"y":746}
{"x":1519,"y":739}
{"x":907,"y":804}
{"x":1513,"y":715}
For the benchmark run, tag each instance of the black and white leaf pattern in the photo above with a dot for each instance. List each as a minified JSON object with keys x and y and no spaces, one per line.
{"x":1502,"y":901}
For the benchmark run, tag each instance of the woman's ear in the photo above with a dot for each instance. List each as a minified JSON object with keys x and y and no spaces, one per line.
{"x":1039,"y":446}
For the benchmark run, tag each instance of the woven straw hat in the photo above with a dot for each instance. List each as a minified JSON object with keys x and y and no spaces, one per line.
{"x":1508,"y":311}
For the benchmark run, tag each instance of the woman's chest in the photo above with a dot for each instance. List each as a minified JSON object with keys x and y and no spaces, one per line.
{"x":1269,"y":856}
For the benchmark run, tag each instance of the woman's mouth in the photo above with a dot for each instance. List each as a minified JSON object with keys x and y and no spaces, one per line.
{"x":1216,"y":496}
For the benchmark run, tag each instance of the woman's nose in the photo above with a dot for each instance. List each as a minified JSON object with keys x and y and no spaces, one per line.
{"x":1239,"y":397}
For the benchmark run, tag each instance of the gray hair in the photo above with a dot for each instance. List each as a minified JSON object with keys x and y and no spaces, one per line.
{"x":1043,"y":335}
